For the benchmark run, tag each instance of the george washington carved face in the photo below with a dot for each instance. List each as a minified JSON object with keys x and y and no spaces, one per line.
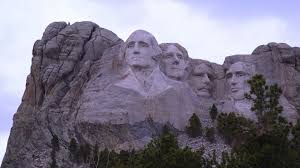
{"x":141,"y":47}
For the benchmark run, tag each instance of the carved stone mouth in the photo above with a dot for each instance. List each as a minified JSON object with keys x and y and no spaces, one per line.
{"x":175,"y":68}
{"x":203,"y":89}
{"x":235,"y":90}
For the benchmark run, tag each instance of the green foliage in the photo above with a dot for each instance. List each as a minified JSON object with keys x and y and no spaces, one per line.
{"x":265,"y":100}
{"x":210,"y":134}
{"x":296,"y":136}
{"x":73,"y":150}
{"x":234,"y":129}
{"x":164,"y":152}
{"x":194,"y":129}
{"x":269,"y":142}
{"x":270,"y":145}
{"x":85,"y":152}
{"x":213,"y":112}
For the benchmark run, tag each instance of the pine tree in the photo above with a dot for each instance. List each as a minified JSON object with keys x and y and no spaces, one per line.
{"x":265,"y":100}
{"x":194,"y":129}
{"x":55,"y":148}
{"x":213,"y":112}
{"x":73,"y":150}
{"x":210,"y":134}
{"x":270,"y":145}
{"x":85,"y":151}
{"x":234,"y":128}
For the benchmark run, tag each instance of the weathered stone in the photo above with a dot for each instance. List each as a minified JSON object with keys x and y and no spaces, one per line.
{"x":175,"y":61}
{"x":86,"y":83}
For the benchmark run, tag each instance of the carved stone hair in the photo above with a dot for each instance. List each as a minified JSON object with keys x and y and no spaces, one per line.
{"x":164,"y":47}
{"x":198,"y":62}
{"x":153,"y":44}
{"x":248,"y":67}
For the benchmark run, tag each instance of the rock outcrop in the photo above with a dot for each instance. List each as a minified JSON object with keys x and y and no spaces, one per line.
{"x":88,"y":84}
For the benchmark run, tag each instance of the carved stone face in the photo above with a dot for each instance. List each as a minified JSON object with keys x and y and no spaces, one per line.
{"x":201,"y":80}
{"x":174,"y":63}
{"x":237,"y":76}
{"x":140,"y":51}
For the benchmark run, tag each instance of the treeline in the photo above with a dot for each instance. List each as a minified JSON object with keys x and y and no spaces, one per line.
{"x":162,"y":152}
{"x":269,"y":142}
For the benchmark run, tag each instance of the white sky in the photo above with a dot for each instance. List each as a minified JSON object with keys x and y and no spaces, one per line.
{"x":195,"y":26}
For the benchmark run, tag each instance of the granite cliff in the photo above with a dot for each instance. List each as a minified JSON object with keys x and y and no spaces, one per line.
{"x":88,"y":84}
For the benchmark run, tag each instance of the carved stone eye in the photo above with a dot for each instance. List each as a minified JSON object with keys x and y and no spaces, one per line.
{"x":229,"y":75}
{"x":240,"y":74}
{"x":199,"y":74}
{"x":168,"y":55}
{"x":130,"y":45}
{"x":143,"y":44}
{"x":179,"y":56}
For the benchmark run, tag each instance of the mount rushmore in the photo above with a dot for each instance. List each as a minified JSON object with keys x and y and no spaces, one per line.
{"x":87,"y":83}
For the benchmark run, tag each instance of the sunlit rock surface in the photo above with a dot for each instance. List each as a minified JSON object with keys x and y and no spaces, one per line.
{"x":87,"y":83}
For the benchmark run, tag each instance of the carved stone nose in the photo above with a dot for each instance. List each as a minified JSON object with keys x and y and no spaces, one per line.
{"x":176,"y":62}
{"x":136,"y":52}
{"x":233,"y":83}
{"x":206,"y":79}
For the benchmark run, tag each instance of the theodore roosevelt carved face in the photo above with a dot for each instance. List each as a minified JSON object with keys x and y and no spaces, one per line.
{"x":237,"y":76}
{"x":174,"y":61}
{"x":201,"y":79}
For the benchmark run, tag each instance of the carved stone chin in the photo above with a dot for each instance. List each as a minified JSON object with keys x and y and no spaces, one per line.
{"x":156,"y":82}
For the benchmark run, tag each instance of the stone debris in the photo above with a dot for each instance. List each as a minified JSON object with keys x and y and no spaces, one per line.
{"x":87,"y":83}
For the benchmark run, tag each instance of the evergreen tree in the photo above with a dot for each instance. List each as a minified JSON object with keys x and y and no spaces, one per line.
{"x":265,"y":100}
{"x":194,"y":129}
{"x":164,"y":152}
{"x":55,"y":148}
{"x":95,"y":157}
{"x":296,"y":136}
{"x":270,"y":145}
{"x":213,"y":112}
{"x":85,"y":152}
{"x":235,"y":129}
{"x":210,"y":134}
{"x":73,"y":150}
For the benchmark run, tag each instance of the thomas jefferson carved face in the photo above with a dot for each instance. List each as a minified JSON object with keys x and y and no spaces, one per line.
{"x":201,"y":80}
{"x":237,"y":76}
{"x":174,"y":61}
{"x":140,"y":50}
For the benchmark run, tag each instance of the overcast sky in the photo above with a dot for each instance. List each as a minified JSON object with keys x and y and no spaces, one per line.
{"x":209,"y":30}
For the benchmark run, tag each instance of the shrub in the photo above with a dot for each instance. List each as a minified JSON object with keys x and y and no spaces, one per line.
{"x":210,"y":134}
{"x":213,"y":112}
{"x":194,"y":129}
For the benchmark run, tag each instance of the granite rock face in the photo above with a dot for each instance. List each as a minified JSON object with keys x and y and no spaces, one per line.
{"x":87,"y":83}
